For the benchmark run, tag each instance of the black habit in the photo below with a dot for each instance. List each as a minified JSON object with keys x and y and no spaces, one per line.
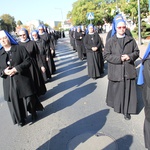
{"x":146,"y":99}
{"x":94,"y":58}
{"x":46,"y":38}
{"x":36,"y":61}
{"x":79,"y":36}
{"x":19,"y":88}
{"x":44,"y":53}
{"x":121,"y":92}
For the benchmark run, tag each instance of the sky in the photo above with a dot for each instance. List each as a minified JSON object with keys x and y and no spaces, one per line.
{"x":44,"y":10}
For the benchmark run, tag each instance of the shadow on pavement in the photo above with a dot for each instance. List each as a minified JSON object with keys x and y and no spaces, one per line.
{"x":60,"y":140}
{"x":64,"y":86}
{"x":124,"y":143}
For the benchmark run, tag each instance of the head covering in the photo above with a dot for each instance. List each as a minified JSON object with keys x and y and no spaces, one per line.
{"x":34,"y":31}
{"x":78,"y":27}
{"x":118,"y":18}
{"x":11,"y":39}
{"x":41,"y":26}
{"x":140,"y":79}
{"x":90,"y":25}
{"x":26,"y":32}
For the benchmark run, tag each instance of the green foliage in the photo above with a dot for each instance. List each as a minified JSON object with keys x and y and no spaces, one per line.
{"x":8,"y":22}
{"x":145,"y":30}
{"x":19,"y":23}
{"x":105,"y":10}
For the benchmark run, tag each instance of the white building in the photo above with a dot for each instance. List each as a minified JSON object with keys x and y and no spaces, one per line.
{"x":33,"y":24}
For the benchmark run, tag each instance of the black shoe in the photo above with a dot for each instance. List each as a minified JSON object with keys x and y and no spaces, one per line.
{"x":22,"y":123}
{"x":34,"y":116}
{"x":94,"y":78}
{"x":127,"y":116}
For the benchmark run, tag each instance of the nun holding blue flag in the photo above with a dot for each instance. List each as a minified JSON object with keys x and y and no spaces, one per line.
{"x":144,"y":80}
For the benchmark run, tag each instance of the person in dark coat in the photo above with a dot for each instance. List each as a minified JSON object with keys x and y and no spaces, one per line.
{"x":79,"y":36}
{"x":73,"y":40}
{"x":120,"y":52}
{"x":44,"y":53}
{"x":36,"y":61}
{"x":19,"y":91}
{"x":94,"y":45}
{"x":53,"y":40}
{"x":113,"y":30}
{"x":144,"y":81}
{"x":46,"y":37}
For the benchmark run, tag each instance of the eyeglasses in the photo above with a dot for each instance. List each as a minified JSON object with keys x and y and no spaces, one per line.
{"x":22,"y":35}
{"x":34,"y":34}
{"x":3,"y":38}
{"x":123,"y":27}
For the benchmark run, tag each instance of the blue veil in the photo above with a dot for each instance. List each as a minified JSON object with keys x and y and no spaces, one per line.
{"x":36,"y":31}
{"x":26,"y":32}
{"x":118,"y":18}
{"x":11,"y":39}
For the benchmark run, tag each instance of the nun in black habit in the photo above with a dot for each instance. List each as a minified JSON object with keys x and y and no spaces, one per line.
{"x":79,"y":36}
{"x":121,"y":52}
{"x":72,"y":37}
{"x":46,"y":37}
{"x":94,"y":45}
{"x":44,"y":53}
{"x":36,"y":61}
{"x":18,"y":86}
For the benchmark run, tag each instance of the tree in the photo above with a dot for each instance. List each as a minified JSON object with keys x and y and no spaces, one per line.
{"x":100,"y":8}
{"x":1,"y":24}
{"x":19,"y":23}
{"x":9,"y":23}
{"x":104,"y":10}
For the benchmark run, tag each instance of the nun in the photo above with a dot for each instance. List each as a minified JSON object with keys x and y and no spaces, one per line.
{"x":19,"y":91}
{"x":113,"y":30}
{"x":94,"y":45}
{"x":72,"y":36}
{"x":44,"y":53}
{"x":121,"y":52}
{"x":144,"y":81}
{"x":46,"y":37}
{"x":79,"y":36}
{"x":36,"y":61}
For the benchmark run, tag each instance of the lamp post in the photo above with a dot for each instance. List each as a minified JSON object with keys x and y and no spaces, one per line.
{"x":0,"y":23}
{"x":139,"y":23}
{"x":61,"y":16}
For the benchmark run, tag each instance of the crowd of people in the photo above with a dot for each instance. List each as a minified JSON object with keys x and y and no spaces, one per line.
{"x":26,"y":66}
{"x":29,"y":63}
{"x":88,"y":44}
{"x":120,"y":53}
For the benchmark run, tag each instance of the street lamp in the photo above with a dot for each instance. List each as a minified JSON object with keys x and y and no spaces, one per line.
{"x":0,"y":23}
{"x":139,"y":23}
{"x":61,"y":16}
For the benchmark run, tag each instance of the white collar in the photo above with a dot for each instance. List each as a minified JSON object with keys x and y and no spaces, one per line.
{"x":25,"y":41}
{"x":120,"y":36}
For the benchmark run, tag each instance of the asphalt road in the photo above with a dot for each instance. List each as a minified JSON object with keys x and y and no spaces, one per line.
{"x":75,"y":111}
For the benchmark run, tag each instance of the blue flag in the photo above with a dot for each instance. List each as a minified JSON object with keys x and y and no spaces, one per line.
{"x":140,"y":80}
